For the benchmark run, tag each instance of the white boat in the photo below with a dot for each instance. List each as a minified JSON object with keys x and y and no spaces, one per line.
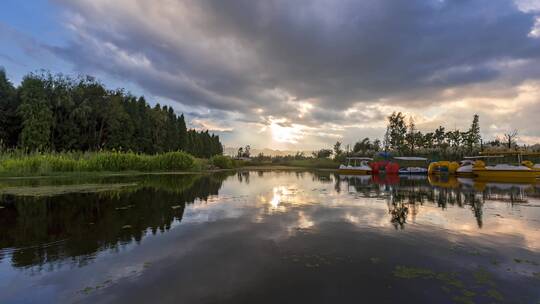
{"x":412,"y":170}
{"x":356,"y":165}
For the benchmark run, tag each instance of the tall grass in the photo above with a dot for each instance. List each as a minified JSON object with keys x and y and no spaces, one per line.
{"x":16,"y":163}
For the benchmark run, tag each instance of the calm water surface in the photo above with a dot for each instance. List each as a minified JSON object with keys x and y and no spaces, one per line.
{"x":268,"y":237}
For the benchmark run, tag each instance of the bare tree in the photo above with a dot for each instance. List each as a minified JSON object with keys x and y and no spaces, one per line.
{"x":511,"y":138}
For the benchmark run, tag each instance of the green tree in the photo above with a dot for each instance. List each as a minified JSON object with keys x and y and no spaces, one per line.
{"x":397,"y":130}
{"x":337,"y":149}
{"x":10,"y":122}
{"x":37,"y":117}
{"x":473,"y":136}
{"x":440,"y":138}
{"x":413,"y":137}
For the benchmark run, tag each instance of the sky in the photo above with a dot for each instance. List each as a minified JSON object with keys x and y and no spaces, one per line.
{"x":296,"y":75}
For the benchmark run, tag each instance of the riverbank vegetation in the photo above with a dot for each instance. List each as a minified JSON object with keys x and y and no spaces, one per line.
{"x":24,"y":164}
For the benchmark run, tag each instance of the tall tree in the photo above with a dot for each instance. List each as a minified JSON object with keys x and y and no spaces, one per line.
{"x":397,"y":129}
{"x":10,"y":121}
{"x":37,"y":117}
{"x":337,"y":149}
{"x":473,"y":137}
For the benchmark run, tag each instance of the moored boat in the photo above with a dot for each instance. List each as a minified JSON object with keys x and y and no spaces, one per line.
{"x":443,"y":167}
{"x":503,"y":172}
{"x":465,"y":168}
{"x":412,"y":169}
{"x":534,"y":167}
{"x":356,"y":165}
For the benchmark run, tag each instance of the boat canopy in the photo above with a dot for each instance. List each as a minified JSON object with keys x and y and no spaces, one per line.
{"x":523,"y":153}
{"x":410,"y":158}
{"x":483,"y":156}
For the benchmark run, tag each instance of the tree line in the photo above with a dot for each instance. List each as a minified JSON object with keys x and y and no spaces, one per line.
{"x":61,"y":113}
{"x":403,"y":138}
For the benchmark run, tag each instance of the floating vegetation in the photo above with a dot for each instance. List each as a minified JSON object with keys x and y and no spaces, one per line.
{"x":404,"y":272}
{"x":88,"y":289}
{"x":519,"y":261}
{"x":492,"y":293}
{"x":375,"y":260}
{"x":124,"y":207}
{"x":483,"y":277}
{"x":463,"y":299}
{"x":451,"y":282}
{"x":44,"y":191}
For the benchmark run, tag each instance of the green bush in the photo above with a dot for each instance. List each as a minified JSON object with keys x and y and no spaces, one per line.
{"x":173,"y":161}
{"x":222,"y":162}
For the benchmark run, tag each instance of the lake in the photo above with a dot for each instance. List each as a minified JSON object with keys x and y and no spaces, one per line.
{"x":268,"y":237}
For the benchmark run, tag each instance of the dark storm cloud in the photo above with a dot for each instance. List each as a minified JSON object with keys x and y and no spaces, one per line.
{"x":242,"y":55}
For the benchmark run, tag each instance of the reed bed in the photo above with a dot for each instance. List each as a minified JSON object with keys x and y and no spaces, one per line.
{"x":17,"y":163}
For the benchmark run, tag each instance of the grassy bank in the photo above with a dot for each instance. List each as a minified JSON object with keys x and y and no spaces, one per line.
{"x":21,"y":164}
{"x":308,"y":163}
{"x":18,"y":164}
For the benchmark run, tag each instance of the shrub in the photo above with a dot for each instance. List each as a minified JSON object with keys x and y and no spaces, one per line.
{"x":173,"y":161}
{"x":222,"y":162}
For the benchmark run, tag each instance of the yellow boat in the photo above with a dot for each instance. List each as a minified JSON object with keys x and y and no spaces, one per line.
{"x":520,"y":155}
{"x":443,"y":167}
{"x":503,"y":172}
{"x":535,"y":168}
{"x":356,"y":165}
{"x":466,"y":165}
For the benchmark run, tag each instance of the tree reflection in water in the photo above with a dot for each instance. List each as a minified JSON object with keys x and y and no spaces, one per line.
{"x":72,"y":228}
{"x":39,"y":231}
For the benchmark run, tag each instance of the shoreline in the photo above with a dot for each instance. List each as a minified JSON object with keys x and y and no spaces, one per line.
{"x":139,"y":173}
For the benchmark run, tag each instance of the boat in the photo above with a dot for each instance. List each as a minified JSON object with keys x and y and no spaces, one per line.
{"x":503,"y":172}
{"x":412,"y":170}
{"x":466,"y":165}
{"x":443,"y":167}
{"x":520,"y":155}
{"x":356,"y":165}
{"x":534,"y":167}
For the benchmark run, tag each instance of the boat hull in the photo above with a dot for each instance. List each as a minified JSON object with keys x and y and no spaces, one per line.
{"x":506,"y":175}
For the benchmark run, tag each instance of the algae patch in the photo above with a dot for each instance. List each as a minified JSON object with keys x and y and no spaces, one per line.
{"x":44,"y":191}
{"x":405,"y":272}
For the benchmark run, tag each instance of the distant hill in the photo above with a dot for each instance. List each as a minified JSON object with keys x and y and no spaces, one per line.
{"x":269,"y":152}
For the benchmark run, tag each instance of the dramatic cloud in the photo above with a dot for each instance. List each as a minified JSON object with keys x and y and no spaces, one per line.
{"x":316,"y":67}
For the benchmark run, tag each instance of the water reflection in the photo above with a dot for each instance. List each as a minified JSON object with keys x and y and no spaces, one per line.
{"x":405,"y":194}
{"x":72,"y":228}
{"x":202,"y":230}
